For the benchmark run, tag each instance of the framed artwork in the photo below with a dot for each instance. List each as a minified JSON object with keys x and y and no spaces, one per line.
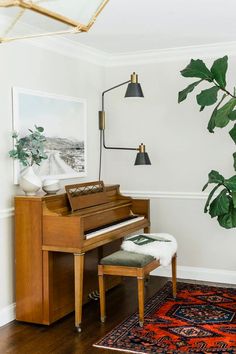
{"x":64,"y":121}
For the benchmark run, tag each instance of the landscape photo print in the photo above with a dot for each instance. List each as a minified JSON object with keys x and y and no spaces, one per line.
{"x":64,"y":121}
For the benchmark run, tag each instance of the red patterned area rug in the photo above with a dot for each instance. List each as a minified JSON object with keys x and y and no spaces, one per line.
{"x":201,"y":320}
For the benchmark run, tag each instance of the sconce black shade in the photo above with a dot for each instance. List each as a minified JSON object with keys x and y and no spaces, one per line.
{"x":142,"y":158}
{"x":134,"y":90}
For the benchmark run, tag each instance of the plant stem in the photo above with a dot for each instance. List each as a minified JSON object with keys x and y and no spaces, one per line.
{"x":223,"y":89}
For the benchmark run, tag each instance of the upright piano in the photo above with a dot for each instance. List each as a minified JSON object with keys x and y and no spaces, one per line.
{"x":59,"y":240}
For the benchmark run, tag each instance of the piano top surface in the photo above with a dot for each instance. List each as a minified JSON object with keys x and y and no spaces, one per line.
{"x":59,"y":205}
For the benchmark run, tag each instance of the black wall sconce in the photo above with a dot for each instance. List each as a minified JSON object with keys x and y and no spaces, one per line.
{"x":133,"y":90}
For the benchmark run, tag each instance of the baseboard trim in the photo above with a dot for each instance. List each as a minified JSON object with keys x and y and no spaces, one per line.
{"x":196,"y":273}
{"x":7,"y":314}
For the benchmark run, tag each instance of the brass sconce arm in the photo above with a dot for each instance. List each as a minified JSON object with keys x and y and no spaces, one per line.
{"x":102,"y":119}
{"x":114,"y":147}
{"x":110,"y":89}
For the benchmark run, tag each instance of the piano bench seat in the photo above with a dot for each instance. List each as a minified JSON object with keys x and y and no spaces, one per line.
{"x":130,"y":264}
{"x":125,"y":258}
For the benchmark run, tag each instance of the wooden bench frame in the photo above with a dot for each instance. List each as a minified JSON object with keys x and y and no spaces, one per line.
{"x":140,"y":274}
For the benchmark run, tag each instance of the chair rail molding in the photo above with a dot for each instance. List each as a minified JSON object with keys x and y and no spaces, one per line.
{"x":166,"y":195}
{"x":6,"y":213}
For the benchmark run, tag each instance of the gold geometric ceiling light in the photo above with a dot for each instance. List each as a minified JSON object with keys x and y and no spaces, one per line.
{"x":21,"y":19}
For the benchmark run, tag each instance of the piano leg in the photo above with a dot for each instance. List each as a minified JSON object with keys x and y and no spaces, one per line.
{"x":147,"y":230}
{"x":79,"y":272}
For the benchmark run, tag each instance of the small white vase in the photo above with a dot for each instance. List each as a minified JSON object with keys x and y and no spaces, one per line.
{"x":51,"y":186}
{"x":29,"y":182}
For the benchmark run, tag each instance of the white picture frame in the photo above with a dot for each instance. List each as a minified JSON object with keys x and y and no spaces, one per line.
{"x":65,"y":128}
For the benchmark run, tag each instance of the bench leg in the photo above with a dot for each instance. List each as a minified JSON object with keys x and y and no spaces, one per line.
{"x":102,"y":297}
{"x":141,"y":300}
{"x":174,"y":287}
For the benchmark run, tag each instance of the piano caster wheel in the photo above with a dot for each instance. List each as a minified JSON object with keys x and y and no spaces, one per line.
{"x":78,"y":329}
{"x":140,"y":324}
{"x":103,"y":319}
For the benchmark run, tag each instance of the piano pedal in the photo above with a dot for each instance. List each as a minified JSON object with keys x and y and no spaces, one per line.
{"x":147,"y":280}
{"x":94,"y":295}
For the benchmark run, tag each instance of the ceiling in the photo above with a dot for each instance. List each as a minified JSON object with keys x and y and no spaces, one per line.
{"x":145,"y":25}
{"x":137,"y":25}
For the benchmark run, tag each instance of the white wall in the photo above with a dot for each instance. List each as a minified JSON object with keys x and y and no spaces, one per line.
{"x":27,"y":66}
{"x":182,"y":153}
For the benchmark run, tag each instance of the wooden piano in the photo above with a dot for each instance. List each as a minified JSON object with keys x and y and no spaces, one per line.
{"x":59,"y":240}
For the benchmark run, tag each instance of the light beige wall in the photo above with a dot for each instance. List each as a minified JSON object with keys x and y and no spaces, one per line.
{"x":182,"y":152}
{"x":30,"y":67}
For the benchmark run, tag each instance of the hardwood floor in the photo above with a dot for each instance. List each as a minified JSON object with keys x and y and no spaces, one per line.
{"x":61,"y":338}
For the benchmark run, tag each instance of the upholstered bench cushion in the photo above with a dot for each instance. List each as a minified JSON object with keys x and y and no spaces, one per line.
{"x":160,"y":250}
{"x":128,"y":259}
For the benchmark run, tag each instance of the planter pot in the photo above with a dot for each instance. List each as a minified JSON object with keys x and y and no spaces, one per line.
{"x":29,"y":182}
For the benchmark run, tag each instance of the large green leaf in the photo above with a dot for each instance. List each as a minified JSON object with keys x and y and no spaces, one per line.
{"x":231,"y":183}
{"x":232,"y":133}
{"x":220,"y":204}
{"x":208,"y":97}
{"x":214,"y":177}
{"x":219,"y":69}
{"x":228,"y":220}
{"x":197,"y":68}
{"x":234,"y":199}
{"x":211,"y":124}
{"x":234,"y":157}
{"x":222,"y":115}
{"x":184,"y":93}
{"x":232,"y":115}
{"x":210,"y":197}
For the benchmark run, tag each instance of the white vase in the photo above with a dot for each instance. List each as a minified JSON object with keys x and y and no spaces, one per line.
{"x":51,"y":186}
{"x":29,"y":182}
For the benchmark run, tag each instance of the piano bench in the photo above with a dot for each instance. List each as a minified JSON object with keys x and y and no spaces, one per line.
{"x":130,"y":264}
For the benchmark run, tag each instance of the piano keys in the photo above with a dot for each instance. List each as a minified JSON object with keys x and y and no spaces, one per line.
{"x":113,"y":226}
{"x":59,"y":244}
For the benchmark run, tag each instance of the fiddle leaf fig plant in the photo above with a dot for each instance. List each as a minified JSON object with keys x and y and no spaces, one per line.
{"x":223,"y":206}
{"x":30,"y":149}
